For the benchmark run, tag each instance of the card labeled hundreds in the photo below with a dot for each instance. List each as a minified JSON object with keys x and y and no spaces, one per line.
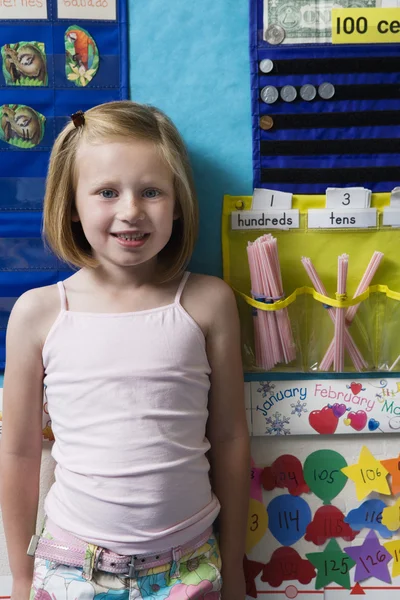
{"x":341,"y":219}
{"x":23,"y":9}
{"x":265,"y":219}
{"x":103,"y":10}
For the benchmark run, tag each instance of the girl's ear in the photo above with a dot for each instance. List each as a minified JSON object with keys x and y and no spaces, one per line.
{"x":74,"y":215}
{"x":177,"y":212}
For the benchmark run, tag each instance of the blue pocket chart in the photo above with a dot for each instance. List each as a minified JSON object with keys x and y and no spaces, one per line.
{"x":57,"y":57}
{"x":323,"y":115}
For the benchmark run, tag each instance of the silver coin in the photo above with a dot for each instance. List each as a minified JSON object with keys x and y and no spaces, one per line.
{"x":326,"y":91}
{"x":288,"y":93}
{"x":266,"y":65}
{"x":275,"y":34}
{"x":308,"y":92}
{"x":269,"y":94}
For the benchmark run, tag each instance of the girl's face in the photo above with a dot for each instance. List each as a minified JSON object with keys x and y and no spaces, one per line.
{"x":124,"y":200}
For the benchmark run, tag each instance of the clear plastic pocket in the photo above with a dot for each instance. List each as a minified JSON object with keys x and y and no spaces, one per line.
{"x":271,"y":339}
{"x":312,"y":337}
{"x":357,"y":343}
{"x":388,"y":323}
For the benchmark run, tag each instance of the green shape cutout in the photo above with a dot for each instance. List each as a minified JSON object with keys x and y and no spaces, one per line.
{"x":333,"y":565}
{"x":82,"y":56}
{"x":323,"y":475}
{"x":24,"y":64}
{"x":21,"y":125}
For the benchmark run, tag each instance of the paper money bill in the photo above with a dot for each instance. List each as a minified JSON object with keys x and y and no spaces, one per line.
{"x":308,"y":21}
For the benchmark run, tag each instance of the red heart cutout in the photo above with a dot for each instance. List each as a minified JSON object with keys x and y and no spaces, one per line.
{"x":323,"y":421}
{"x":356,"y":388}
{"x":358,"y":419}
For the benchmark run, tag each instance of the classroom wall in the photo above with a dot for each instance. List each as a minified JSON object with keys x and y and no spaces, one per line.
{"x":191,"y":60}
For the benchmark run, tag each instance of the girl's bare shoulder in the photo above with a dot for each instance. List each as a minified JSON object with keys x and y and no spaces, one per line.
{"x":35,"y":311}
{"x":209,"y":287}
{"x":205,"y":297}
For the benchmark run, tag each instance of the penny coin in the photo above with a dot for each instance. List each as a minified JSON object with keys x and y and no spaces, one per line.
{"x":266,"y":122}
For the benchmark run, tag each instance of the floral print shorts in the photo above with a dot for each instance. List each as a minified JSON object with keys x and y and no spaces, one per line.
{"x":196,"y":577}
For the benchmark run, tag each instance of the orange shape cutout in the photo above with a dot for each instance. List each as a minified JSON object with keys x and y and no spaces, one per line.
{"x":393,"y":466}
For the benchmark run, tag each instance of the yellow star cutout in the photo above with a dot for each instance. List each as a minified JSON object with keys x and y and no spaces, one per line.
{"x":369,"y":475}
{"x":391,"y":517}
{"x":394,"y":549}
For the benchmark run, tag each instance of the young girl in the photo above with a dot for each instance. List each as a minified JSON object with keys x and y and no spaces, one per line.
{"x":142,"y":372}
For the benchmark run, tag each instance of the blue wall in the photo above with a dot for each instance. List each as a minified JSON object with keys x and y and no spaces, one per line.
{"x":190,"y":59}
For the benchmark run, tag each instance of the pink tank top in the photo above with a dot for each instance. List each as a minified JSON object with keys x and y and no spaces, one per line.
{"x":127,"y":395}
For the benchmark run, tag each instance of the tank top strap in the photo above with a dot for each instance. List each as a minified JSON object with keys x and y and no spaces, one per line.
{"x":181,"y":287}
{"x":63,"y":295}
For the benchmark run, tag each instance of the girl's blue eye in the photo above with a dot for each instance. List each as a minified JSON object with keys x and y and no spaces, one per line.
{"x":151,"y":193}
{"x":108,"y":194}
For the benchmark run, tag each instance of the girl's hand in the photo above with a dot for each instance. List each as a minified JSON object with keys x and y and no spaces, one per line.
{"x":233,"y":585}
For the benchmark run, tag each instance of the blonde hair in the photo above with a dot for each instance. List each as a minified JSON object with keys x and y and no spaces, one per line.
{"x":127,"y":120}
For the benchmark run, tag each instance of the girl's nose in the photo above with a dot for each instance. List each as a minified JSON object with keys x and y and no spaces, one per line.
{"x":131,"y":211}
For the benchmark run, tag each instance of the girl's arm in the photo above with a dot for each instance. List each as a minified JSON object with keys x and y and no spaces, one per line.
{"x":228,"y":435}
{"x":21,"y":443}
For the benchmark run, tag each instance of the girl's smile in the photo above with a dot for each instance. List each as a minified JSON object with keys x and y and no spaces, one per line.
{"x":131,"y":239}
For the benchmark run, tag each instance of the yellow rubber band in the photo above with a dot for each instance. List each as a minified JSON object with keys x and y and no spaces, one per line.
{"x":341,"y":297}
{"x":326,"y":300}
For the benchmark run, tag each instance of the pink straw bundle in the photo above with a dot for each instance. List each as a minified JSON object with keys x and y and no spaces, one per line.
{"x":352,"y":310}
{"x":338,"y":359}
{"x":272,"y":330}
{"x":355,"y":355}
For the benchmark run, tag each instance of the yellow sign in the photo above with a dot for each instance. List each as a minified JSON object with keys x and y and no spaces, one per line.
{"x":365,"y":25}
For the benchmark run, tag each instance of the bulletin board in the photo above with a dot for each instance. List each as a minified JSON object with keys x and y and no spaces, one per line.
{"x":324,"y":523}
{"x":323,"y":518}
{"x":57,"y":57}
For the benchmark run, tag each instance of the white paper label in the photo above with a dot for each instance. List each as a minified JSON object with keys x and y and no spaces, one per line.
{"x":104,"y":10}
{"x":349,"y":198}
{"x":266,"y":199}
{"x":341,"y":219}
{"x":271,"y":219}
{"x":23,"y":9}
{"x":391,"y":216}
{"x":395,"y":197}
